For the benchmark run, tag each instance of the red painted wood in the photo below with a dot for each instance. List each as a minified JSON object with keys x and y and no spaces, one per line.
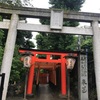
{"x":37,"y":60}
{"x":30,"y":80}
{"x":48,"y":60}
{"x":43,"y":78}
{"x":63,"y":76}
{"x":31,"y":77}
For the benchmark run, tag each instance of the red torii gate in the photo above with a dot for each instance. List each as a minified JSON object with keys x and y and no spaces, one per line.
{"x":35,"y":62}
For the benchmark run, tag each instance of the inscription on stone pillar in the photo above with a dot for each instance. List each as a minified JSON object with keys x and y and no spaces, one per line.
{"x":83,"y":77}
{"x":56,"y":21}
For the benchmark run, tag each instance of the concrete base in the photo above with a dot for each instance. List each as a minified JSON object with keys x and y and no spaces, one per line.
{"x":63,"y":96}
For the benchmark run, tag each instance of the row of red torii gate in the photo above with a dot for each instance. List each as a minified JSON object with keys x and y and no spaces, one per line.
{"x":35,"y":59}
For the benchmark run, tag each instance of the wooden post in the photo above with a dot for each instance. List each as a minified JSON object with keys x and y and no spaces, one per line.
{"x":63,"y":77}
{"x":30,"y":78}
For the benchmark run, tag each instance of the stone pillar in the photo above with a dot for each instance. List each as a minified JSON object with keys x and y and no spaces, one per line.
{"x":96,"y":47}
{"x":83,"y":77}
{"x":8,"y":53}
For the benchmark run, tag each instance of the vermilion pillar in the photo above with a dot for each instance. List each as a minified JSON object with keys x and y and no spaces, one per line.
{"x":30,"y":79}
{"x":63,"y":76}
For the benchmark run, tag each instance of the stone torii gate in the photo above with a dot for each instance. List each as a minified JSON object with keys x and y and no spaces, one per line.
{"x":56,"y":26}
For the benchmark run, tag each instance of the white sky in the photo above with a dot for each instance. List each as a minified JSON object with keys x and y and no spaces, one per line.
{"x":88,"y":6}
{"x":40,"y":3}
{"x":91,"y":6}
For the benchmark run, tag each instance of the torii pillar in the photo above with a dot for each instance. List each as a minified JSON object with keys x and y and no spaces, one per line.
{"x":96,"y":47}
{"x":63,"y":77}
{"x":9,"y":51}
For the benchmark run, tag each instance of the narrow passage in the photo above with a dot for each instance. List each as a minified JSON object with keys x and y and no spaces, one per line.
{"x":44,"y":92}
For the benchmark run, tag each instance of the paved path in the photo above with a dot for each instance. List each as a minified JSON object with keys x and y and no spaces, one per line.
{"x":44,"y":92}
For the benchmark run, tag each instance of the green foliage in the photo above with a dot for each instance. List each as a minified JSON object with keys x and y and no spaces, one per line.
{"x":29,"y":44}
{"x":67,"y":4}
{"x":27,"y":3}
{"x":58,"y":42}
{"x":17,"y":70}
{"x":0,"y":18}
{"x":1,"y":55}
{"x":93,"y":95}
{"x":17,"y":3}
{"x":87,"y":43}
{"x":1,"y":33}
{"x":1,"y":36}
{"x":1,"y":44}
{"x":23,"y":39}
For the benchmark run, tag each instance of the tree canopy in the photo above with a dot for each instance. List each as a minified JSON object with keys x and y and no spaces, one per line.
{"x":67,"y":4}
